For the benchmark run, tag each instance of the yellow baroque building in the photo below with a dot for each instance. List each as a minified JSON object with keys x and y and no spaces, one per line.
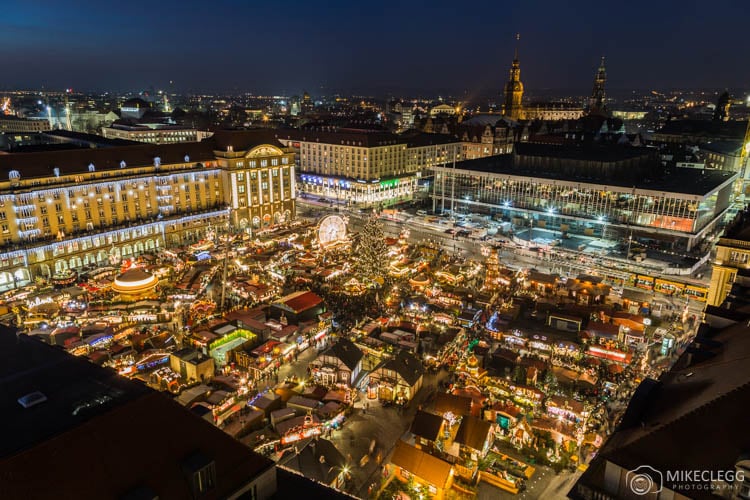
{"x":69,"y":209}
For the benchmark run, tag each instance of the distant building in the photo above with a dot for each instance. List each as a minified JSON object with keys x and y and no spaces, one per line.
{"x":552,"y":111}
{"x":721,"y":113}
{"x":629,"y":114}
{"x":153,"y":134}
{"x":488,"y":135}
{"x":91,"y":121}
{"x":10,"y":123}
{"x":727,"y":155}
{"x":307,"y":105}
{"x":700,"y":131}
{"x":67,"y":413}
{"x":443,"y":109}
{"x":135,"y":108}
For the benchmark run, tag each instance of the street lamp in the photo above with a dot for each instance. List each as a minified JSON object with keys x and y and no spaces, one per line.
{"x":551,"y":213}
{"x":603,"y":221}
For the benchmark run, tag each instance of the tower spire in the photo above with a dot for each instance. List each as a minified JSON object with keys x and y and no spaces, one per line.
{"x":513,"y":92}
{"x":598,"y":94}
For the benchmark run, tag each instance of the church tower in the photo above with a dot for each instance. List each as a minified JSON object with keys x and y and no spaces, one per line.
{"x":513,"y":92}
{"x":596,"y":103}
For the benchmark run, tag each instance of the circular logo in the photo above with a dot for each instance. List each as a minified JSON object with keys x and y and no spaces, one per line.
{"x":640,"y":484}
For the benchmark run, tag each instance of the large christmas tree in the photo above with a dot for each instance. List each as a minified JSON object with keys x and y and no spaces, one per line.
{"x":370,"y":250}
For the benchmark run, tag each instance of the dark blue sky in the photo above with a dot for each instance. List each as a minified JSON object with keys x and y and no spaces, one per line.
{"x":286,"y":46}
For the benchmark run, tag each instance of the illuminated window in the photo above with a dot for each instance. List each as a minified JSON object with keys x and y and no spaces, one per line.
{"x":738,"y":257}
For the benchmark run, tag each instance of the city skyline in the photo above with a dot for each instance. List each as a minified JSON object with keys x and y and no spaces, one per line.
{"x":287,"y":48}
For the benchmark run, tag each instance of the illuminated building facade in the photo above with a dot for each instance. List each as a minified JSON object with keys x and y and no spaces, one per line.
{"x":260,"y":183}
{"x":165,"y":134}
{"x":488,"y":135}
{"x":9,"y":123}
{"x":69,"y":209}
{"x":551,"y":111}
{"x":732,"y":259}
{"x":575,"y":190}
{"x":364,"y":166}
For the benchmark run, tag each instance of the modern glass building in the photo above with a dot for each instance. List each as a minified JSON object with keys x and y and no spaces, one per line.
{"x":625,"y":191}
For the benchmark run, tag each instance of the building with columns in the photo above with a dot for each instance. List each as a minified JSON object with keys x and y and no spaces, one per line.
{"x":69,"y":209}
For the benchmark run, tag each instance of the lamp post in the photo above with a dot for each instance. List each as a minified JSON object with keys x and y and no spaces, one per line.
{"x":603,"y":221}
{"x":551,"y":213}
{"x":630,"y":240}
{"x":531,"y":228}
{"x":453,"y":189}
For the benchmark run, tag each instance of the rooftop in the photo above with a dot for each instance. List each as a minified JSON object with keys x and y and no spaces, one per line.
{"x":739,"y":228}
{"x":343,"y":136}
{"x":78,"y":160}
{"x":407,"y":365}
{"x":677,"y":180}
{"x":136,"y":155}
{"x":89,"y":415}
{"x":426,"y":425}
{"x":75,"y":391}
{"x":318,"y":460}
{"x":298,"y":302}
{"x":473,"y":432}
{"x":421,"y":464}
{"x":708,"y":128}
{"x":346,"y":351}
{"x":292,"y":484}
{"x":190,"y":355}
{"x":665,"y":424}
{"x":458,"y":405}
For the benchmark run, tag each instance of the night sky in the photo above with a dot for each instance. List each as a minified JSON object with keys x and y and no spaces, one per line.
{"x":371,"y":47}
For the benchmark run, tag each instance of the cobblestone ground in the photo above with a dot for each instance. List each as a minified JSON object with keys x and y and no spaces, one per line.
{"x":386,"y":426}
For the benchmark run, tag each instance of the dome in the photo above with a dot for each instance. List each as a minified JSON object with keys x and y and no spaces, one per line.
{"x":134,"y":281}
